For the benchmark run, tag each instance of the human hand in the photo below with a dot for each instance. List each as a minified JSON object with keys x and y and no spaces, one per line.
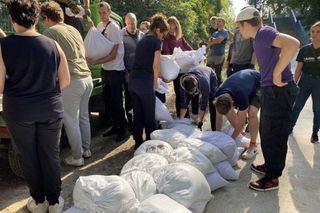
{"x":277,"y":80}
{"x":91,"y":61}
{"x":200,"y":124}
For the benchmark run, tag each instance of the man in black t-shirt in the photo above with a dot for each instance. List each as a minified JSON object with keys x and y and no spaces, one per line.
{"x":240,"y":90}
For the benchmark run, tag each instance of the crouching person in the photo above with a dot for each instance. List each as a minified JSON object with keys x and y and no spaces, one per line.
{"x":202,"y":81}
{"x":76,"y":96}
{"x":241,"y":90}
{"x":33,"y":70}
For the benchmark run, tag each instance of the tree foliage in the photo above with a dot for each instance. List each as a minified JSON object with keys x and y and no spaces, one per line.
{"x":193,"y":15}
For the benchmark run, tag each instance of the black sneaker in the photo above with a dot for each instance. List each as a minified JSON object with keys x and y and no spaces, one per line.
{"x":110,"y":132}
{"x":264,"y":184}
{"x":261,"y":169}
{"x":314,"y":138}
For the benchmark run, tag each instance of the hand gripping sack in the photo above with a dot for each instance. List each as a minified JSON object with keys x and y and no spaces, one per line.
{"x":98,"y":194}
{"x":96,"y":45}
{"x":142,"y":184}
{"x":147,"y":162}
{"x":155,"y":146}
{"x":161,"y":203}
{"x":184,"y":184}
{"x":241,"y":140}
{"x":161,"y":112}
{"x":171,"y":136}
{"x":162,"y":87}
{"x":169,"y":69}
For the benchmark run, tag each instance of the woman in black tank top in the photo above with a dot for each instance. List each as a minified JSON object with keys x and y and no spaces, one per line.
{"x":33,"y":70}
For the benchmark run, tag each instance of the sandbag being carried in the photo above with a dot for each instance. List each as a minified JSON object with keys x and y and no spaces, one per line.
{"x":155,"y":146}
{"x":233,"y":161}
{"x":162,"y":87}
{"x":213,"y":153}
{"x":142,"y":184}
{"x":96,"y":45}
{"x":169,"y":69}
{"x":98,"y":193}
{"x":162,"y":113}
{"x":161,"y":203}
{"x":192,"y":157}
{"x":147,"y":162}
{"x":171,"y":136}
{"x":184,"y":184}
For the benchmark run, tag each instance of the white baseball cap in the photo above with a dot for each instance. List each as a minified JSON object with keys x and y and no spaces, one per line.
{"x":247,"y":13}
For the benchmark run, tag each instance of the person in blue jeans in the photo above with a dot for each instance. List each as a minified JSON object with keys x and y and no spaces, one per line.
{"x":143,"y":79}
{"x":307,"y":75}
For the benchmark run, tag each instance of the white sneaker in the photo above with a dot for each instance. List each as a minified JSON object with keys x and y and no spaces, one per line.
{"x":57,"y":208}
{"x":37,"y":208}
{"x":74,"y":162}
{"x":250,"y":153}
{"x":86,"y":154}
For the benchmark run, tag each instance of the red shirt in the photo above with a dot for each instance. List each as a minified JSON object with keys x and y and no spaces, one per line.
{"x":170,"y":42}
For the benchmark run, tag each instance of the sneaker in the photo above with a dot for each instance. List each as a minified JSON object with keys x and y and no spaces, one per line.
{"x":110,"y":132}
{"x":37,"y":208}
{"x":250,"y":153}
{"x":265,"y":184}
{"x":71,"y":161}
{"x":261,"y":169}
{"x":314,"y":138}
{"x":57,"y":208}
{"x":86,"y":153}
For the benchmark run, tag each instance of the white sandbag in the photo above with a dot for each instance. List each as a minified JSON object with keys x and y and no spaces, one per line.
{"x":241,"y":140}
{"x":215,"y":181}
{"x":162,"y":113}
{"x":226,"y":171}
{"x":142,"y":184}
{"x":96,"y":45}
{"x":169,"y":125}
{"x":162,"y":87}
{"x":147,"y":162}
{"x":233,"y":161}
{"x":221,"y":140}
{"x":171,"y":136}
{"x":155,"y":146}
{"x":169,"y":69}
{"x":161,"y":203}
{"x":192,"y":157}
{"x":213,"y":153}
{"x":188,"y":59}
{"x":184,"y":184}
{"x":186,"y":129}
{"x":75,"y":210}
{"x":98,"y":193}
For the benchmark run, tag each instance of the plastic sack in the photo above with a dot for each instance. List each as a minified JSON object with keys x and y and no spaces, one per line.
{"x":184,"y":184}
{"x":226,"y":170}
{"x":147,"y":162}
{"x":98,"y":193}
{"x":162,"y":112}
{"x":155,"y":146}
{"x":186,"y":129}
{"x":161,"y":203}
{"x":96,"y":45}
{"x":241,"y":140}
{"x":162,"y":87}
{"x":192,"y":157}
{"x":213,"y":153}
{"x":221,"y":140}
{"x":142,"y":184}
{"x":169,"y":69}
{"x":171,"y":136}
{"x":215,"y":181}
{"x":75,"y":210}
{"x":169,"y":125}
{"x":233,"y":161}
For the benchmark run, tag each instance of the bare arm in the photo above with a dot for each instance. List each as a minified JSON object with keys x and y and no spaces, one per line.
{"x":239,"y":120}
{"x":111,"y":56}
{"x":156,"y":68}
{"x":298,"y":71}
{"x":219,"y":119}
{"x":63,"y":70}
{"x":2,"y":73}
{"x":183,"y":113}
{"x":289,"y":46}
{"x":2,"y":34}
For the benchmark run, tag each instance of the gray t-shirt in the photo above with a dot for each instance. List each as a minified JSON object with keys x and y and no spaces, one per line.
{"x":242,"y":49}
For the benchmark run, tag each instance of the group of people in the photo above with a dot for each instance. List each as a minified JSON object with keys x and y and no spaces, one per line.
{"x":46,"y":82}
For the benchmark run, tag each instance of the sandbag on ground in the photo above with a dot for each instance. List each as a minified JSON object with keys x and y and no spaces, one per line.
{"x":171,"y":136}
{"x":155,"y":146}
{"x":216,"y":181}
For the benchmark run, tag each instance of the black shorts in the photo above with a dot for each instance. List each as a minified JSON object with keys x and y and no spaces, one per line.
{"x":255,"y":99}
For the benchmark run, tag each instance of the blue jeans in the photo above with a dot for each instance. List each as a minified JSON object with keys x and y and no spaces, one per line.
{"x":309,"y":85}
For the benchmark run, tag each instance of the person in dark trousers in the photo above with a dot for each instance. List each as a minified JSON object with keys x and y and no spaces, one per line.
{"x":143,"y":79}
{"x":112,"y":73}
{"x":130,"y":36}
{"x":172,"y":40}
{"x":33,"y":70}
{"x":241,"y":90}
{"x":274,"y":52}
{"x":307,"y":75}
{"x":202,"y":81}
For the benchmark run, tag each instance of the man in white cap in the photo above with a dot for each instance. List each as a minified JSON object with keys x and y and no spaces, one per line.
{"x":274,"y":52}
